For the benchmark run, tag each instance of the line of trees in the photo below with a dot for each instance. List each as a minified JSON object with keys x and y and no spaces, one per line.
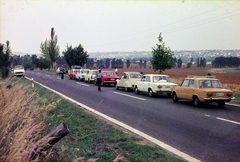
{"x":222,"y":62}
{"x":5,"y":59}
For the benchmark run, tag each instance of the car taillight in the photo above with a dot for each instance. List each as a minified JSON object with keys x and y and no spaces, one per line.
{"x":229,"y":94}
{"x":83,"y":76}
{"x":159,"y":86}
{"x":210,"y":94}
{"x":133,"y":86}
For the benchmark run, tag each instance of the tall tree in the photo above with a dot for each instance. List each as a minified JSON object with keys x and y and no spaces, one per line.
{"x":27,"y":62}
{"x":113,"y":62}
{"x":5,"y":59}
{"x":128,"y":63}
{"x":162,"y":57}
{"x":179,"y":63}
{"x":107,"y":63}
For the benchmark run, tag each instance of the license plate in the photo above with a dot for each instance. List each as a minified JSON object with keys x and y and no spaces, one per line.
{"x":167,"y":87}
{"x":112,"y":79}
{"x":220,"y":94}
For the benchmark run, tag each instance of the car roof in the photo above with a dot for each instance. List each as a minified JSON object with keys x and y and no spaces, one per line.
{"x":201,"y":77}
{"x":132,"y":72}
{"x":154,"y":75}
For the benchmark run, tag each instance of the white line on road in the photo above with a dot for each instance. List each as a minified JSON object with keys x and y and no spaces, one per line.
{"x":47,"y":75}
{"x":83,"y":84}
{"x":38,"y":73}
{"x":154,"y":140}
{"x":228,"y":120}
{"x":129,"y":96}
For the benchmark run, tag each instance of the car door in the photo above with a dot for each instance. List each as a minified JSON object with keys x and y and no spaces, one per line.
{"x":190,"y":90}
{"x":181,"y":93}
{"x":147,"y":84}
{"x":141,"y":83}
{"x":122,"y":80}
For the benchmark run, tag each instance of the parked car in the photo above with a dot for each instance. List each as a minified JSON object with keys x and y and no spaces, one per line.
{"x":73,"y":72}
{"x":90,"y":75}
{"x":60,"y":70}
{"x":202,"y":89}
{"x":109,"y":77}
{"x":127,"y":80}
{"x":19,"y":70}
{"x":81,"y":74}
{"x":154,"y":84}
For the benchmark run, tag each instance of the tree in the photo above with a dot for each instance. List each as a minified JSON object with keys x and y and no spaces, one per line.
{"x":179,"y":63}
{"x":113,"y":62}
{"x":27,"y":62}
{"x":191,"y":59}
{"x":50,"y":49}
{"x":5,"y":59}
{"x":140,"y":63}
{"x":162,"y":57}
{"x":189,"y":64}
{"x":75,"y":56}
{"x":128,"y":63}
{"x":107,"y":63}
{"x":198,"y":65}
{"x":43,"y":63}
{"x":144,"y":64}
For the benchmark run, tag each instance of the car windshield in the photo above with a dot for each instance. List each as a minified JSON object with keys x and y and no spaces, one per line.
{"x":161,"y":78}
{"x":210,"y":84}
{"x":75,"y":71}
{"x":109,"y":74}
{"x":18,"y":67}
{"x":94,"y":73}
{"x":135,"y":76}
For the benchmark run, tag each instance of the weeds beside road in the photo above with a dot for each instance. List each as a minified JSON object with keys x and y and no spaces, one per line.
{"x":28,"y":114}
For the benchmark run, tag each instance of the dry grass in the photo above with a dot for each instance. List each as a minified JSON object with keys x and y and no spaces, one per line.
{"x":21,"y":122}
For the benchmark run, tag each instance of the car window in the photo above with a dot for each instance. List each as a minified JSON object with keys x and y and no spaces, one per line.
{"x":127,"y":76}
{"x":161,"y":78}
{"x":94,"y":73}
{"x":135,"y":76}
{"x":109,"y":74}
{"x":210,"y":84}
{"x":148,"y":79}
{"x":192,"y":84}
{"x":143,"y":78}
{"x":185,"y":83}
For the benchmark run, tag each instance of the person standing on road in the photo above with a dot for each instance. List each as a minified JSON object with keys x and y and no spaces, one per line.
{"x":99,"y":79}
{"x":116,"y":70}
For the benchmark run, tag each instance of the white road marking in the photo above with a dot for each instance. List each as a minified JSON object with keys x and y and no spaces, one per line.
{"x":47,"y":75}
{"x":228,"y":120}
{"x":83,"y":84}
{"x":129,"y":96}
{"x":207,"y":115}
{"x":154,"y":140}
{"x":38,"y":73}
{"x":232,"y":104}
{"x":59,"y":78}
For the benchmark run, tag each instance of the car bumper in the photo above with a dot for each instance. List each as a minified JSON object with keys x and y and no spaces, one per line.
{"x":161,"y":92}
{"x":218,"y":99}
{"x":109,"y":82}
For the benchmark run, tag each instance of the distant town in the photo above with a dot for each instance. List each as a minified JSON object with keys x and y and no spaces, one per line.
{"x":185,"y":55}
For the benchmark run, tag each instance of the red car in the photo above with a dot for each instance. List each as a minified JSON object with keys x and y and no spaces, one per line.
{"x":109,"y":77}
{"x":72,"y":74}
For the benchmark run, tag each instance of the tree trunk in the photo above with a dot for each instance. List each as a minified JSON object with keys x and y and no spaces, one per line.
{"x":49,"y":140}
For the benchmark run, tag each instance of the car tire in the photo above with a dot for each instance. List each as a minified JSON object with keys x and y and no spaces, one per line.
{"x":126,"y":89}
{"x":221,"y":103}
{"x":116,"y":86}
{"x":174,"y":97}
{"x":136,"y":90}
{"x":196,"y":101}
{"x":150,"y":93}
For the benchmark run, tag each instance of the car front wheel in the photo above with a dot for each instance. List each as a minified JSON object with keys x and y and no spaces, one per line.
{"x":174,"y":97}
{"x":136,"y":90}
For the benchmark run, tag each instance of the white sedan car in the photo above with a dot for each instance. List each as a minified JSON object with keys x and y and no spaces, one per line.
{"x":155,"y":84}
{"x":127,"y":80}
{"x":81,"y":75}
{"x":90,"y":76}
{"x":19,"y":70}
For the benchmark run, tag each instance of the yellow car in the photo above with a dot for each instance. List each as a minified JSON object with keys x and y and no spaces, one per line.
{"x":202,"y":89}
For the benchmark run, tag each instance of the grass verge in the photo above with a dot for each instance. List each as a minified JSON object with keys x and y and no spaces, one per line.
{"x":28,"y":114}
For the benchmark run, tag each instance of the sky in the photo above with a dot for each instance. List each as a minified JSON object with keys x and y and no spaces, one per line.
{"x":118,"y":25}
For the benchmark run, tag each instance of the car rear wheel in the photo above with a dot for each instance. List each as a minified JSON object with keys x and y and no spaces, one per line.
{"x":196,"y":101}
{"x":150,"y":93}
{"x":221,"y":103}
{"x":174,"y":97}
{"x":136,"y":90}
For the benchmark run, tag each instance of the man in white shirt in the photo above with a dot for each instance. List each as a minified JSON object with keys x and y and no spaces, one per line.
{"x":99,"y":79}
{"x":116,"y":70}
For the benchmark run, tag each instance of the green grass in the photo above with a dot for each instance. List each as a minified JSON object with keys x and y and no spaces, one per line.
{"x":89,"y":137}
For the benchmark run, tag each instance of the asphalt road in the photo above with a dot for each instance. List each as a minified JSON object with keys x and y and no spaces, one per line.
{"x":207,"y":133}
